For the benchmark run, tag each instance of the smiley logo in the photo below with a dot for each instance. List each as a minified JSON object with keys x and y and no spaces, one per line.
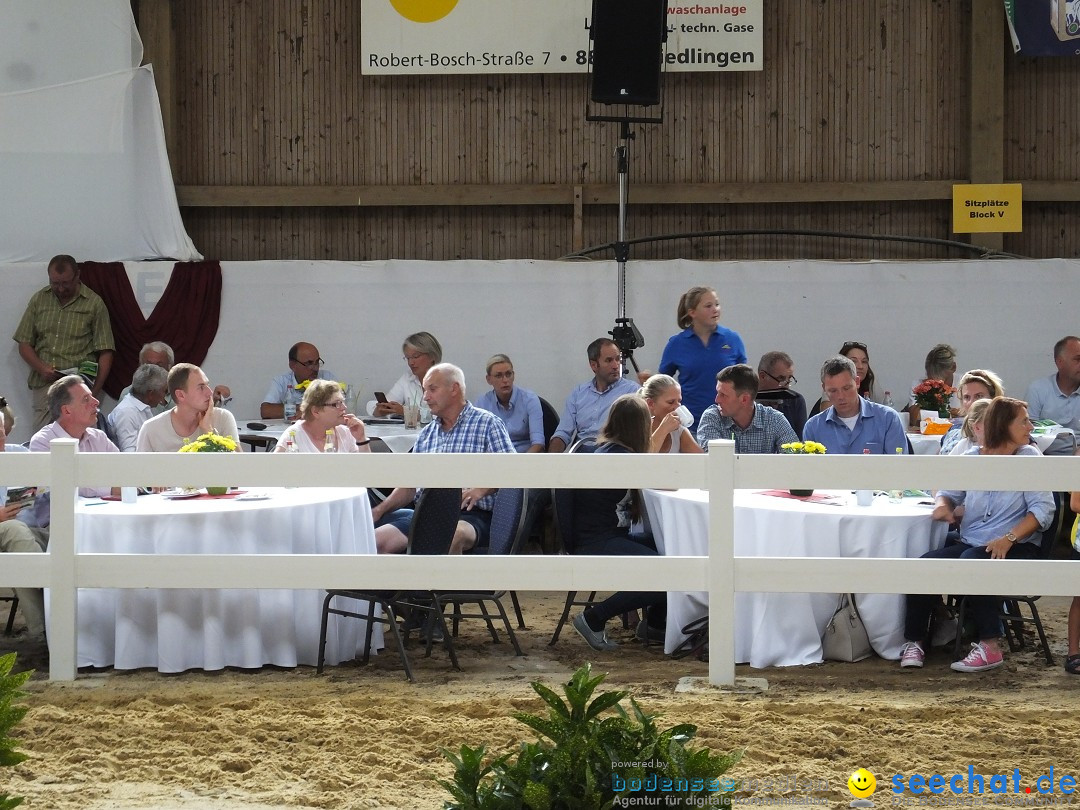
{"x":862,"y":784}
{"x":423,"y":11}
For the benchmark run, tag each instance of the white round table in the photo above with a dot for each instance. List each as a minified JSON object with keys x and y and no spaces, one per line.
{"x":785,"y":629}
{"x":173,"y":630}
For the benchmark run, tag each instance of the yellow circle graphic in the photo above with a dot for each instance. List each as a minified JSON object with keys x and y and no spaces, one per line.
{"x":862,"y":783}
{"x":423,"y":11}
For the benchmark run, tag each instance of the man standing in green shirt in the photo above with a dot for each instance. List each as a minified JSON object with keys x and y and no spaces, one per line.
{"x":64,"y":324}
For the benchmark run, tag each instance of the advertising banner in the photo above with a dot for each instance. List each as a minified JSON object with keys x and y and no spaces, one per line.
{"x":526,"y":36}
{"x":1044,"y":27}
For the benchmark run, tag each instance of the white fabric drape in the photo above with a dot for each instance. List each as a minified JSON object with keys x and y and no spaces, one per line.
{"x":83,"y":165}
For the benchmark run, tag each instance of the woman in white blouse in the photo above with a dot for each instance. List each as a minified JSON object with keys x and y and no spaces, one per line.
{"x":663,"y":395}
{"x":420,"y":351}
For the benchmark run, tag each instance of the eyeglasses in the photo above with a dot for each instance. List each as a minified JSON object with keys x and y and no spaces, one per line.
{"x":409,"y":357}
{"x":852,"y":344}
{"x":783,"y":382}
{"x":318,"y":361}
{"x":336,"y":403}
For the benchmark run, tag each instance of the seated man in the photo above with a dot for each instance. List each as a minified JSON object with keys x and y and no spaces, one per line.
{"x":193,"y":415}
{"x":853,"y":424}
{"x":1057,"y":397}
{"x":455,"y":427}
{"x":754,"y":427}
{"x":588,"y":404}
{"x":776,"y":375}
{"x":518,"y":408}
{"x":158,"y":353}
{"x":18,"y":533}
{"x":146,"y":392}
{"x":304,"y":365}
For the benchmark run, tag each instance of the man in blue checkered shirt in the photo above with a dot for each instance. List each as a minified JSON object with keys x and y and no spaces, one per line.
{"x":755,"y":428}
{"x":456,"y":427}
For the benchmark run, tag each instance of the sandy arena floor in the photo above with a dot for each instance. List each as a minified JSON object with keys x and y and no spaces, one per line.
{"x":365,"y":738}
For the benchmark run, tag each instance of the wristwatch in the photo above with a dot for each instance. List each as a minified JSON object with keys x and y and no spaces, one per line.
{"x":1010,"y":537}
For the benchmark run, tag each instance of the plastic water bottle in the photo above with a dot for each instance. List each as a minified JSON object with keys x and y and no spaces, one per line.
{"x":290,"y":404}
{"x":887,"y":401}
{"x":897,"y":495}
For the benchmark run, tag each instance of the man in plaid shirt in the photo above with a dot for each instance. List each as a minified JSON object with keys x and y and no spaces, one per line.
{"x":755,"y":428}
{"x":457,"y":427}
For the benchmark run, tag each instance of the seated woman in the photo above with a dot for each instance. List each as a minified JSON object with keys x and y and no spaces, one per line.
{"x":995,"y":525}
{"x":421,"y":351}
{"x":976,"y":385}
{"x":602,"y":519}
{"x":858,"y":354}
{"x":663,"y":396}
{"x":322,"y":410}
{"x":940,"y":364}
{"x":971,"y":431}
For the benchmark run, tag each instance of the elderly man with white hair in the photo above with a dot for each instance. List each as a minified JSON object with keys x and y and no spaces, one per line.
{"x":456,"y":427}
{"x":148,"y":390}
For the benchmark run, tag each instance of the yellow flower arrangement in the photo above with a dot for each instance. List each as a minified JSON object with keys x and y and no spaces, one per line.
{"x":806,"y":448}
{"x":302,"y":386}
{"x":209,"y":443}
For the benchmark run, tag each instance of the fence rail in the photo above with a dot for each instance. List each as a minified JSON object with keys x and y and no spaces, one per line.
{"x":63,"y":570}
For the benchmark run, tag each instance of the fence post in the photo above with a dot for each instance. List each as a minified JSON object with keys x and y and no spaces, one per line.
{"x":720,"y":479}
{"x":63,"y":589}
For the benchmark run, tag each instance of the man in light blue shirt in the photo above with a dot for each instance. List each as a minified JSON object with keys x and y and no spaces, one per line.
{"x":518,"y":408}
{"x":305,"y":365}
{"x":853,"y":424}
{"x":1057,"y":397}
{"x":588,"y":404}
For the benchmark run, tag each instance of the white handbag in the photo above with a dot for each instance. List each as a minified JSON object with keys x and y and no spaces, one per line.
{"x":845,"y":636}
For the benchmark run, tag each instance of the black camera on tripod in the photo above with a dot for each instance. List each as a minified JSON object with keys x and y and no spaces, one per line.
{"x":626,"y":336}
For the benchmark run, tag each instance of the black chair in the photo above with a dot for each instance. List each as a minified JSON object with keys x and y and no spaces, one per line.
{"x":1012,"y":618}
{"x":551,"y":419}
{"x":431,"y":532}
{"x":507,"y":524}
{"x":11,"y":613}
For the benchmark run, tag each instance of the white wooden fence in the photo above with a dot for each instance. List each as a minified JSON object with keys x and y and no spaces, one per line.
{"x":63,"y":570}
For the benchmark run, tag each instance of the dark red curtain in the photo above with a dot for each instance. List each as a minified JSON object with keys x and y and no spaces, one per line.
{"x":186,"y":317}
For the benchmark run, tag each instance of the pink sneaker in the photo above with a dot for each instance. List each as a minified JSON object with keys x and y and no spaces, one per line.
{"x":911,"y":654}
{"x":979,"y":659}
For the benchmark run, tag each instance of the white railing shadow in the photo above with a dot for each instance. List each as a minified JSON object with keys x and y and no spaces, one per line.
{"x":63,"y":570}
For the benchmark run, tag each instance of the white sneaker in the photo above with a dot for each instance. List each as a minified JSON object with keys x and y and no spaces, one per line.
{"x":911,"y":654}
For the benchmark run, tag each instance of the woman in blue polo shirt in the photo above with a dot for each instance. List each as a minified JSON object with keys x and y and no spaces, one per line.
{"x":702,"y":349}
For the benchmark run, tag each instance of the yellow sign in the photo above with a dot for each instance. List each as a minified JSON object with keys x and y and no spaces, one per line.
{"x":988,"y":208}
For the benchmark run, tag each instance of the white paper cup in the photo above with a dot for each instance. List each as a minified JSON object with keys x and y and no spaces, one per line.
{"x":864,"y":497}
{"x":685,"y":417}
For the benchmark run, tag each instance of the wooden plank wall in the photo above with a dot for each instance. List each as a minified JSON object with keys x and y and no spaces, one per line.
{"x":269,"y":93}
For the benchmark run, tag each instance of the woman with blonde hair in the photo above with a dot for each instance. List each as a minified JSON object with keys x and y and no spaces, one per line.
{"x":701,"y":349}
{"x":663,"y":395}
{"x":322,"y":412}
{"x":420,"y":351}
{"x":976,"y":385}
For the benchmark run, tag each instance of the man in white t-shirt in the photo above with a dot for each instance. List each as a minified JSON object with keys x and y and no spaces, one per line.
{"x":193,"y":414}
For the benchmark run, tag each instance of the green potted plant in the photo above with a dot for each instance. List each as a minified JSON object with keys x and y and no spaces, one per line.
{"x":10,"y":715}
{"x":806,"y":448}
{"x":591,"y":753}
{"x":210,"y":443}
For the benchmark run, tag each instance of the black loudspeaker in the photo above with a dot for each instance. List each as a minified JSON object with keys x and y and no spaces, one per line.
{"x":627,"y":43}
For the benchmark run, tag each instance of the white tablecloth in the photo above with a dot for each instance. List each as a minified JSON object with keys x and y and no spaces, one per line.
{"x":785,"y":629}
{"x":179,"y":629}
{"x":398,"y":438}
